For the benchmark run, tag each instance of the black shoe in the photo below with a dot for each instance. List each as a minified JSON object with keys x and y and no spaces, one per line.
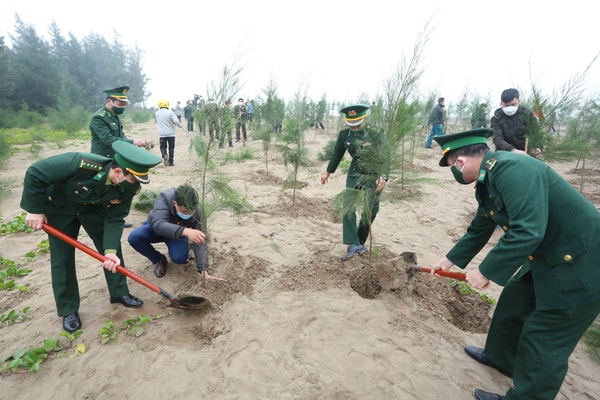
{"x":71,"y":323}
{"x":127,"y":224}
{"x":483,"y":395}
{"x":127,"y":300}
{"x":160,"y":268}
{"x":476,"y":353}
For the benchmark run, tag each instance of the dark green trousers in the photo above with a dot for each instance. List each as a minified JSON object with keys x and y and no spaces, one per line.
{"x":351,"y":232}
{"x":62,"y":261}
{"x":534,"y":345}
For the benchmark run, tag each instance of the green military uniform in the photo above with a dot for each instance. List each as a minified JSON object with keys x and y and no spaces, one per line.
{"x":370,"y":160}
{"x":106,"y":127}
{"x":73,"y":190}
{"x":226,"y":121}
{"x":552,"y":233}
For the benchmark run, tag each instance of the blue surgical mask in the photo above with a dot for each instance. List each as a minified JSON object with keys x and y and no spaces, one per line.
{"x":184,"y":216}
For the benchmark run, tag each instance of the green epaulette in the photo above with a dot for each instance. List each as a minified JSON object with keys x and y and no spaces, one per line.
{"x":90,"y":165}
{"x":371,"y":129}
{"x":102,"y":113}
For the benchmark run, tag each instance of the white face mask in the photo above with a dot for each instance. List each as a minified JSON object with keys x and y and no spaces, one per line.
{"x":510,"y":110}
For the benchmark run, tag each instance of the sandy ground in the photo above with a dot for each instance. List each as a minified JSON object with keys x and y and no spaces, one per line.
{"x":294,"y":322}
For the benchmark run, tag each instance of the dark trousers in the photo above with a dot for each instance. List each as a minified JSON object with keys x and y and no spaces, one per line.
{"x":240,"y":125}
{"x":170,"y":143}
{"x":141,"y":240}
{"x":351,"y":233}
{"x":533,"y":344}
{"x":62,"y":261}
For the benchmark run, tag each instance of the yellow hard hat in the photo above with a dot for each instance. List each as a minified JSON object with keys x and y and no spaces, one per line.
{"x":163,"y":104}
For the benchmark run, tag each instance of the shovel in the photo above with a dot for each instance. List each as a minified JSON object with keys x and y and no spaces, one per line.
{"x":456,"y":275}
{"x":189,"y":302}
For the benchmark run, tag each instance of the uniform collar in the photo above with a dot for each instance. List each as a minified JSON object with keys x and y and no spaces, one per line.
{"x":487,"y":164}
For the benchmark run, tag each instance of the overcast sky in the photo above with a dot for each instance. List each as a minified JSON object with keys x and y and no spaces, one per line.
{"x":334,"y":47}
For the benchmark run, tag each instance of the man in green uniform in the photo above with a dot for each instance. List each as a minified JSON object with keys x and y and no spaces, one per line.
{"x":366,"y":177}
{"x":546,"y":260}
{"x":76,"y":189}
{"x":106,"y":126}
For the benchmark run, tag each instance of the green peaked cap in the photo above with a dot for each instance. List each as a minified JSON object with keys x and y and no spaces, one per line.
{"x":461,"y":139}
{"x":135,"y":160}
{"x":118,"y":93}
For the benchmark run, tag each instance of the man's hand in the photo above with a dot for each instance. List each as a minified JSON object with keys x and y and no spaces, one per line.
{"x":194,"y":235}
{"x":444,"y":264}
{"x":36,"y":221}
{"x":138,"y":142}
{"x":381,"y":184}
{"x":111,"y":262}
{"x":325,"y":178}
{"x":477,"y":279}
{"x":209,"y":277}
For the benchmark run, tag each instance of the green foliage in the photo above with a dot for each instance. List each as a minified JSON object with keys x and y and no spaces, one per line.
{"x":145,"y":200}
{"x":10,"y":270}
{"x":108,"y":332}
{"x":591,"y":338}
{"x":140,"y":116}
{"x":5,"y":148}
{"x":131,"y":327}
{"x":68,"y":119}
{"x":224,"y":197}
{"x":465,"y":289}
{"x":17,"y":224}
{"x":28,"y":119}
{"x":14,"y":316}
{"x":30,"y":360}
{"x":245,"y":153}
{"x":325,"y":154}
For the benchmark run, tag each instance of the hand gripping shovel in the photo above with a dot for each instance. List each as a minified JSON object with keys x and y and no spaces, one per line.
{"x":189,"y":302}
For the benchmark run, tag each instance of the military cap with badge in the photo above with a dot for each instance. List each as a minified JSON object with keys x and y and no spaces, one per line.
{"x":355,"y":114}
{"x":136,"y":160}
{"x":461,"y":139}
{"x":119,"y":93}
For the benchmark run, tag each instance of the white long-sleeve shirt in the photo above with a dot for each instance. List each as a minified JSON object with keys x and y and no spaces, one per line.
{"x":166,"y":121}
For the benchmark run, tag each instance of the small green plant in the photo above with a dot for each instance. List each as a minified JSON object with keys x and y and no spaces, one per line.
{"x":9,"y":270}
{"x":465,"y":289}
{"x":30,"y":360}
{"x":15,"y":225}
{"x":132,"y":327}
{"x":108,"y":332}
{"x":14,"y":316}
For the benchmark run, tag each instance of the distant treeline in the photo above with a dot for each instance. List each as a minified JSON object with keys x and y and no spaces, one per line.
{"x":37,"y":75}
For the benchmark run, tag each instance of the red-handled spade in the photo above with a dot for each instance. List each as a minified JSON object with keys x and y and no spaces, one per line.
{"x":188,"y":302}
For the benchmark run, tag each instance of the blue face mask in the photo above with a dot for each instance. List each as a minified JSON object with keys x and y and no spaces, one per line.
{"x":184,"y":216}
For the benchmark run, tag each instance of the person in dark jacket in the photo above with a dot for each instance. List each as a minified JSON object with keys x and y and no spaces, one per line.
{"x":368,"y":174}
{"x":176,"y":221}
{"x":547,"y":261}
{"x":515,"y":127}
{"x":437,"y":120}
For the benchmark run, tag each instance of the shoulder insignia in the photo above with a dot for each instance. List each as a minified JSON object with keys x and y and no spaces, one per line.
{"x":102,"y":113}
{"x":90,"y":165}
{"x":99,"y":176}
{"x":490,"y":163}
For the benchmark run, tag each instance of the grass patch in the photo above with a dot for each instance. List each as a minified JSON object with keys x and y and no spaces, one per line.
{"x":591,"y":338}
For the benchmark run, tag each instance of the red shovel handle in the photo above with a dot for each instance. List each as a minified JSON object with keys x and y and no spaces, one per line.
{"x":86,"y":249}
{"x":456,"y":275}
